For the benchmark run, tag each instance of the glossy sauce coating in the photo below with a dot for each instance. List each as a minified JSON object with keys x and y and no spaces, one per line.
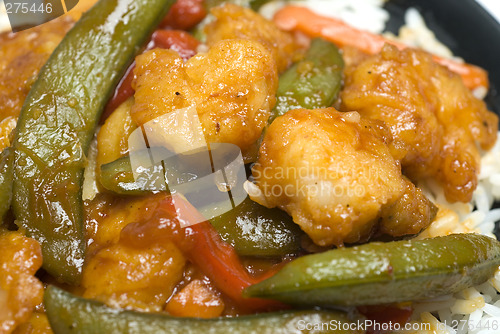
{"x":86,"y":316}
{"x":58,"y":121}
{"x":127,"y":275}
{"x":20,"y":290}
{"x":430,"y":112}
{"x":22,"y":56}
{"x":382,"y":273}
{"x":333,"y":173}
{"x":233,"y":21}
{"x":137,"y":254}
{"x":232,"y":87}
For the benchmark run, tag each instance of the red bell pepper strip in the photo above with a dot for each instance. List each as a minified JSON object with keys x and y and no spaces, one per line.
{"x":202,"y":245}
{"x":184,"y":15}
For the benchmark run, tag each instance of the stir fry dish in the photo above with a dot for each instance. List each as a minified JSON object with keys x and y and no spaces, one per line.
{"x":200,"y":166}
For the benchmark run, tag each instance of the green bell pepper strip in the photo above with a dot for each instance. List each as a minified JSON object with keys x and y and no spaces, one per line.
{"x":313,"y":82}
{"x":256,"y":4}
{"x":118,"y":177}
{"x":58,"y":120}
{"x":379,"y":273}
{"x":254,"y":230}
{"x":6,"y":175}
{"x":70,"y":314}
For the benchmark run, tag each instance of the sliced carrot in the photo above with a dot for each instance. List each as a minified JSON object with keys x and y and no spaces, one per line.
{"x":294,"y":18}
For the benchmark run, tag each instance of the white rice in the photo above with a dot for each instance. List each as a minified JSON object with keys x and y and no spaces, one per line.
{"x":415,"y":33}
{"x":369,"y":15}
{"x":475,"y":310}
{"x":373,"y":15}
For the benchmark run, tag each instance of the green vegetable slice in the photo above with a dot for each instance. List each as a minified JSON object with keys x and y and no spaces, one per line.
{"x":378,"y":273}
{"x":314,"y":82}
{"x":70,"y":314}
{"x":58,"y":120}
{"x":254,"y":230}
{"x":6,"y":174}
{"x":118,"y":176}
{"x":251,"y":228}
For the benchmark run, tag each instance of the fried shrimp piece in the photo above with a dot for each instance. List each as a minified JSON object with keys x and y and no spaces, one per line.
{"x":233,"y":21}
{"x":124,"y":275}
{"x":20,"y":290}
{"x":38,"y":323}
{"x":334,"y":173}
{"x":352,"y":57}
{"x":22,"y":55}
{"x":139,"y":279}
{"x":196,"y":300}
{"x":232,"y":87}
{"x":412,"y":208}
{"x":430,"y":111}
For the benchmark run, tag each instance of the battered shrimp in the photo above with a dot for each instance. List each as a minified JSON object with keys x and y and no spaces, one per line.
{"x":430,"y":111}
{"x":232,"y":87}
{"x":233,"y":21}
{"x":125,"y":275}
{"x":335,"y":174}
{"x":20,"y":290}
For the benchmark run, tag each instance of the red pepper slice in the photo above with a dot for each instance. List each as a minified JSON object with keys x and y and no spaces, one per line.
{"x":184,"y":15}
{"x":202,"y":245}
